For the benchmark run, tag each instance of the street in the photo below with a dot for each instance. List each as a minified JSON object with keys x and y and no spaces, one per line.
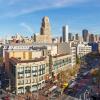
{"x":79,"y":88}
{"x":83,"y":82}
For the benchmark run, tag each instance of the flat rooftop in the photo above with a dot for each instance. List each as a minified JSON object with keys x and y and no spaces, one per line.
{"x":60,"y":55}
{"x":16,"y":60}
{"x":28,"y":44}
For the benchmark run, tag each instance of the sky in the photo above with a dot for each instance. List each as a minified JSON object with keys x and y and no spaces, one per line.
{"x":25,"y":16}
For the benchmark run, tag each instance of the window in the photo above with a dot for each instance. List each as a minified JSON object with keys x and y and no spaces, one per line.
{"x":27,"y":81}
{"x":42,"y":69}
{"x":34,"y":70}
{"x":34,"y":87}
{"x":27,"y":75}
{"x":20,"y":82}
{"x":20,"y":90}
{"x":27,"y":71}
{"x":20,"y":71}
{"x":20,"y":76}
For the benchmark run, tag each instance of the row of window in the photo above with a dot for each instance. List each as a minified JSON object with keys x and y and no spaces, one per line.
{"x":84,"y":49}
{"x":21,"y":69}
{"x":61,"y":63}
{"x":28,"y":81}
{"x":33,"y":88}
{"x":26,"y":71}
{"x":35,"y":73}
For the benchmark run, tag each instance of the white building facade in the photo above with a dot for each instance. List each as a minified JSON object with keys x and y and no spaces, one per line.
{"x":83,"y":49}
{"x":73,"y":53}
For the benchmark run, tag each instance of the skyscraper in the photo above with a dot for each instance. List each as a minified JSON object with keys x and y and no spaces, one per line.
{"x":45,"y":32}
{"x":70,"y":36}
{"x":91,"y":38}
{"x":85,"y":35}
{"x":77,"y":36}
{"x":45,"y":26}
{"x":65,"y":33}
{"x":73,"y":38}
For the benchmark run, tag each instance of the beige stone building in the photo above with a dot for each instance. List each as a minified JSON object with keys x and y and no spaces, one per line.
{"x":30,"y":75}
{"x":45,"y":35}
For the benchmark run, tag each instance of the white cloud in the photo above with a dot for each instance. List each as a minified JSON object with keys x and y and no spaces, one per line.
{"x":12,"y":8}
{"x":27,"y":27}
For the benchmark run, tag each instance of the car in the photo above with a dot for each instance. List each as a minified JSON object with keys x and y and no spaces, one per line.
{"x":57,"y":91}
{"x":70,"y":90}
{"x":78,"y":78}
{"x":80,"y":75}
{"x":71,"y":81}
{"x":86,"y":73}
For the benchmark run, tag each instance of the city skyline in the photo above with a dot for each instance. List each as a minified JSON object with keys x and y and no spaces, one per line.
{"x":24,"y":17}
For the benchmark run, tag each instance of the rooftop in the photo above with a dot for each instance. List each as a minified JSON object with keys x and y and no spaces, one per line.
{"x":60,"y":55}
{"x":15,"y":60}
{"x":28,"y":44}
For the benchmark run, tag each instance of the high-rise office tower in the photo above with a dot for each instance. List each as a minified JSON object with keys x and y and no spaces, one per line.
{"x":70,"y":36}
{"x":85,"y":35}
{"x":73,"y":38}
{"x":65,"y":33}
{"x":91,"y":38}
{"x":77,"y":36}
{"x":61,"y":39}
